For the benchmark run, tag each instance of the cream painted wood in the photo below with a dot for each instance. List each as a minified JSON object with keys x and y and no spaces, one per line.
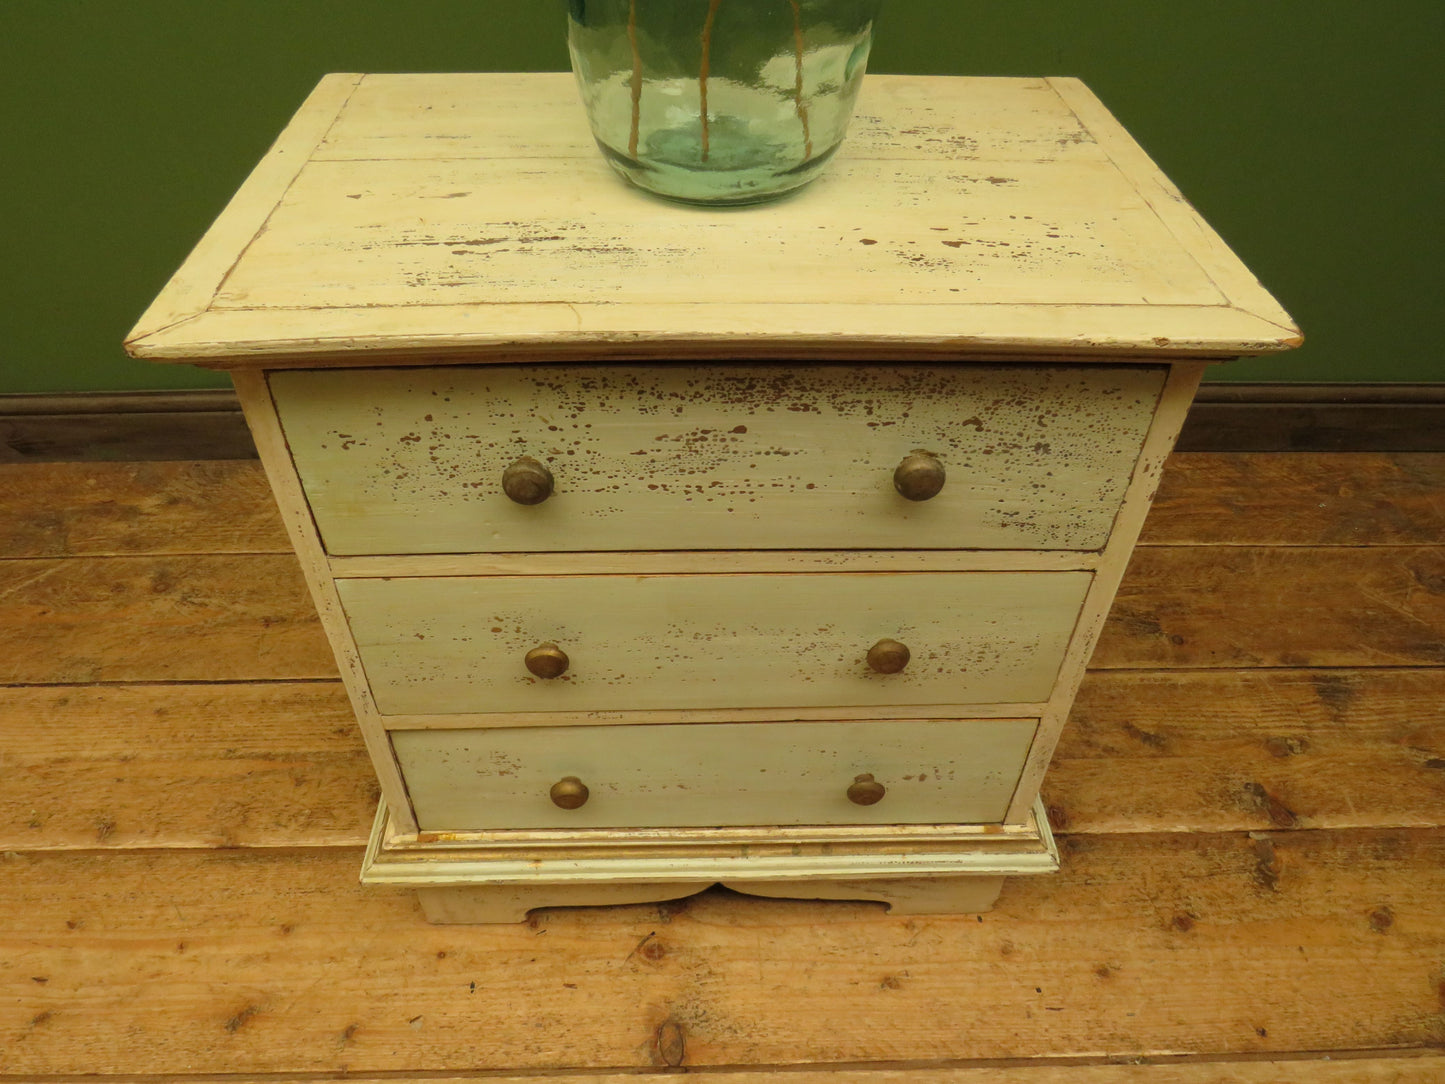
{"x":511,"y":903}
{"x":489,"y":720}
{"x":672,"y":457}
{"x":594,"y":247}
{"x":487,"y":115}
{"x":661,"y":642}
{"x":596,"y":856}
{"x":1163,"y":433}
{"x":191,"y":289}
{"x":271,"y":446}
{"x":499,"y":876}
{"x":432,"y":334}
{"x":1167,"y":201}
{"x":700,"y":775}
{"x":992,"y":265}
{"x":694,"y":562}
{"x":903,"y":895}
{"x":964,"y":217}
{"x":815,"y":839}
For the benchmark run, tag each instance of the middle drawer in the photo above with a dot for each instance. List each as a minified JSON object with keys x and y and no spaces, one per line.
{"x":460,"y":645}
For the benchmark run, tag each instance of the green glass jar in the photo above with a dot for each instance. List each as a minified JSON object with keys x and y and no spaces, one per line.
{"x":719,"y":101}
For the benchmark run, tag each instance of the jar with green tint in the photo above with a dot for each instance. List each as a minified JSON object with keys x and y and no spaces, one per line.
{"x":720,"y":101}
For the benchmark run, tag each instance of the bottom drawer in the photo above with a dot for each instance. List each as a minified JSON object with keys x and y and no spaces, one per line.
{"x":714,"y":775}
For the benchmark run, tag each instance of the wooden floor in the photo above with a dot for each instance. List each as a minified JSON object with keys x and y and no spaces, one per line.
{"x":1249,"y":799}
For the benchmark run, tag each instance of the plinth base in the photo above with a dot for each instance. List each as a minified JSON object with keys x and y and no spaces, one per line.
{"x":486,"y":877}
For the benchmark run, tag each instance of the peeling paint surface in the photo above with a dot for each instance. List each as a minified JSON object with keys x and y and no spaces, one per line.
{"x":456,"y":645}
{"x":359,"y":232}
{"x":423,"y":195}
{"x":472,"y":214}
{"x":934,"y":772}
{"x":715,"y":456}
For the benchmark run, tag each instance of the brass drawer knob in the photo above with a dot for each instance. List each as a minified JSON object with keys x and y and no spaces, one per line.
{"x":547,"y":661}
{"x":569,"y":793}
{"x":920,"y":476}
{"x":527,"y":481}
{"x":888,"y":657}
{"x":865,"y":790}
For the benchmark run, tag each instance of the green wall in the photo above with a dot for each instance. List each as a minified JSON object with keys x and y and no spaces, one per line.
{"x":1306,"y":131}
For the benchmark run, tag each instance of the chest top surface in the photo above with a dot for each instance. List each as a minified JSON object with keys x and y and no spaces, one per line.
{"x":470,"y":218}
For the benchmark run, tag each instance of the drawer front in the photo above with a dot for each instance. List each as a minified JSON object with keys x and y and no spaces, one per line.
{"x":715,"y":457}
{"x":458,"y":645}
{"x":934,"y":772}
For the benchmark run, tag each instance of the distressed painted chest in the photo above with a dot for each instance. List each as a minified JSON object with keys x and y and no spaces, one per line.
{"x":662,"y":547}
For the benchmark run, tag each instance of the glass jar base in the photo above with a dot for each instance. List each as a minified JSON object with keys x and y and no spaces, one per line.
{"x":718,"y":183}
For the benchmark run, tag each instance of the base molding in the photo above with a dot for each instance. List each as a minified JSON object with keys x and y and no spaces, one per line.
{"x":500,"y":876}
{"x":1316,"y":418}
{"x":1225,"y":418}
{"x":474,"y":905}
{"x":123,"y":426}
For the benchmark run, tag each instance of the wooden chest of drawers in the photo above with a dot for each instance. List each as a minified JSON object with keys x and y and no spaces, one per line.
{"x":661,"y":547}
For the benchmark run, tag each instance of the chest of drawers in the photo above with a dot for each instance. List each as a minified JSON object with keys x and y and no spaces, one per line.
{"x":662,"y":547}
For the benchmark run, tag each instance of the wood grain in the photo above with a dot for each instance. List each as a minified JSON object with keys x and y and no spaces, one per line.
{"x":217,"y":618}
{"x":182,"y":898}
{"x":1351,"y":1068}
{"x":1278,"y":606}
{"x":1234,"y":281}
{"x":1205,"y":499}
{"x":282,"y":765}
{"x":120,"y":509}
{"x":273,"y":962}
{"x":127,"y":434}
{"x":211,"y":261}
{"x":255,"y":400}
{"x":423,"y":225}
{"x":1169,"y":418}
{"x":180,"y":618}
{"x":1224,"y":750}
{"x":213,"y":765}
{"x":1299,"y":499}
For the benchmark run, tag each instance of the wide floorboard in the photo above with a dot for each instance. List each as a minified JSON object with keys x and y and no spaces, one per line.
{"x":1249,"y":799}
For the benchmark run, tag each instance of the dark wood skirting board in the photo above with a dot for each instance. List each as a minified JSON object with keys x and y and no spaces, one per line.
{"x":1316,"y":418}
{"x":123,"y":426}
{"x":1225,"y":418}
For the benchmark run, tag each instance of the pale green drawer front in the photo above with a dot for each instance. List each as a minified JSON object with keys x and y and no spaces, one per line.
{"x":934,"y":772}
{"x":454,"y":645}
{"x":715,"y":457}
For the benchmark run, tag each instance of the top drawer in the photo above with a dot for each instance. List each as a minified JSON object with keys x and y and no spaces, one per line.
{"x":665,"y":457}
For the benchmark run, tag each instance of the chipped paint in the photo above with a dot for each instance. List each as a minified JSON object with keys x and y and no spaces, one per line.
{"x":698,"y":641}
{"x":715,"y":457}
{"x":776,"y":773}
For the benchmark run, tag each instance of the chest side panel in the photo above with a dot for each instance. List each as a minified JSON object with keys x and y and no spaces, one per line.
{"x":715,"y":457}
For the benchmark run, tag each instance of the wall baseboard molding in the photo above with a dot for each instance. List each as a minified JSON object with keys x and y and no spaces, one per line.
{"x":123,"y":426}
{"x":1225,"y":418}
{"x":1316,"y":418}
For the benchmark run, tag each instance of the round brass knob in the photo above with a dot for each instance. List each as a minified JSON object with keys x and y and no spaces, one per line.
{"x":865,"y":790}
{"x":527,"y":481}
{"x":888,"y":657}
{"x":547,"y":661}
{"x":571,"y":793}
{"x":920,"y":475}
